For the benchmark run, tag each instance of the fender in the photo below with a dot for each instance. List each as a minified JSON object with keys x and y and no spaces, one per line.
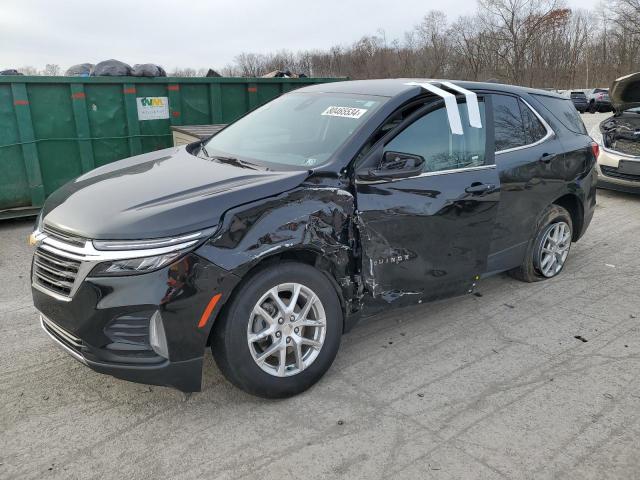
{"x":314,"y":218}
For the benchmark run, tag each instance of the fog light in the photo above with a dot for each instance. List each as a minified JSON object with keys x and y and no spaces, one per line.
{"x":157,"y":338}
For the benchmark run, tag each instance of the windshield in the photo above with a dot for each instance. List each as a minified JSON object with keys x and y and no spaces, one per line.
{"x":297,"y":129}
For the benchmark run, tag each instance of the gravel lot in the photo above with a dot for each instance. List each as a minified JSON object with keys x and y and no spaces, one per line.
{"x":488,"y":386}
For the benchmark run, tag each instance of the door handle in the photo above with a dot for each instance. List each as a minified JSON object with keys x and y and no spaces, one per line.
{"x":547,"y":157}
{"x":480,"y":188}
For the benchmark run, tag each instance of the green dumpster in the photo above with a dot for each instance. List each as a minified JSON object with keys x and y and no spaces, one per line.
{"x":53,"y":129}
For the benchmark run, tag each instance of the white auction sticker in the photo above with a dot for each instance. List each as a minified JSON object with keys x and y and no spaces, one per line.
{"x":152,"y":108}
{"x":346,"y":112}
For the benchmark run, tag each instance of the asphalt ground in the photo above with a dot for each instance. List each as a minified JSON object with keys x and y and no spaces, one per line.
{"x":492,"y":385}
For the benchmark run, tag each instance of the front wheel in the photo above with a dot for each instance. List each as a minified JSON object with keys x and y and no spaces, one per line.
{"x":281,"y":331}
{"x":548,"y":251}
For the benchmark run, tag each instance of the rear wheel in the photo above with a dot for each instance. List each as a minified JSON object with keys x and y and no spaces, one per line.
{"x":548,"y":250}
{"x":281,"y":331}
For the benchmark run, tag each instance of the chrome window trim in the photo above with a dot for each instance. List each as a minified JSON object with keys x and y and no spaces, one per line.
{"x":430,"y":174}
{"x":550,"y":133}
{"x":456,"y":170}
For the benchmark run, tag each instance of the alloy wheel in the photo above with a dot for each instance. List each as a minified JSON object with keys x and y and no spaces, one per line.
{"x":554,"y":248}
{"x":286,"y":329}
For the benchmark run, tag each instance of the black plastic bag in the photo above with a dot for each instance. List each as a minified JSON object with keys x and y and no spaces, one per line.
{"x":148,"y":70}
{"x":111,"y":68}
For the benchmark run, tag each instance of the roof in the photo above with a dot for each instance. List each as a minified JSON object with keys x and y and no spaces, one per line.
{"x":396,"y":86}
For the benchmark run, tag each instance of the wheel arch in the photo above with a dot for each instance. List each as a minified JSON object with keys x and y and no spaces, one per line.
{"x":301,"y":254}
{"x":572,"y":204}
{"x":310,"y":225}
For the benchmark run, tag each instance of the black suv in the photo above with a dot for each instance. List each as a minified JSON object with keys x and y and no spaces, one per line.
{"x":579,"y":100}
{"x":329,"y":204}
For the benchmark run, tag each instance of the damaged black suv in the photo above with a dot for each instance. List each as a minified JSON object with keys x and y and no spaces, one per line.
{"x":271,"y":239}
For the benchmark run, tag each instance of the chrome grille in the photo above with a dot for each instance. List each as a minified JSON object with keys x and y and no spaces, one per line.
{"x":54,"y":271}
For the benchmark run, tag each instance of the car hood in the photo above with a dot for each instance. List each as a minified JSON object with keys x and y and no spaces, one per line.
{"x":158,"y":194}
{"x":625,"y":92}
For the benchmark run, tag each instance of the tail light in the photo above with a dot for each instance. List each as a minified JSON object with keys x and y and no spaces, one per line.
{"x":595,"y":149}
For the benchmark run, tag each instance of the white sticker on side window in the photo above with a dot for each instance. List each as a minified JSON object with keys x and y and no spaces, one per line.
{"x":345,"y":112}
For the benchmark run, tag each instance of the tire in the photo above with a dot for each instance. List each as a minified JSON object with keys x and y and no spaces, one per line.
{"x":531,"y":270}
{"x":238,"y":358}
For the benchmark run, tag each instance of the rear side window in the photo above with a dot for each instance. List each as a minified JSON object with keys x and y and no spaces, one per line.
{"x":564,"y":111}
{"x":533,"y":127}
{"x":508,"y":124}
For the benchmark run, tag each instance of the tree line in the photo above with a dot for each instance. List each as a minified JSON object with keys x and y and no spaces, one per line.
{"x":525,"y":42}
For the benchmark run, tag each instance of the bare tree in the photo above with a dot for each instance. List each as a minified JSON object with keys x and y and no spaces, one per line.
{"x":28,"y":70}
{"x":514,"y":25}
{"x":183,"y":72}
{"x":51,"y":70}
{"x":627,"y":14}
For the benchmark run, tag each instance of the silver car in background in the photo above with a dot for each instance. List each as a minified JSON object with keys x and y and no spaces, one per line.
{"x":619,"y":138}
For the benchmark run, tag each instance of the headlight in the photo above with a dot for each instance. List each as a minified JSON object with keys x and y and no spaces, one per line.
{"x":133,"y":257}
{"x":134,"y":266}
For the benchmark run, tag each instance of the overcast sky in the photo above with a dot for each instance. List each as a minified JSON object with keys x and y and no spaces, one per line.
{"x":198,"y":33}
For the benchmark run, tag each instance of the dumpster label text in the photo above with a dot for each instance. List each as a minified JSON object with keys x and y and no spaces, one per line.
{"x":152,"y":108}
{"x":347,"y":112}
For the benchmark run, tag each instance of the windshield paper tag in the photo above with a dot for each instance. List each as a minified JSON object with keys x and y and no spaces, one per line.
{"x":346,"y":112}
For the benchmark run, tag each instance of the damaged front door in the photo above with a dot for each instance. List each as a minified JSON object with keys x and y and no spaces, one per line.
{"x":427,"y":201}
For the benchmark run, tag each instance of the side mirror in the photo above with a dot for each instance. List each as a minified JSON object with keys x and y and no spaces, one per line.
{"x":397,"y":165}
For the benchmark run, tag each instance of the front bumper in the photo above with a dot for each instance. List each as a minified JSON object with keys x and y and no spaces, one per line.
{"x":185,"y":376}
{"x":610,"y":177}
{"x":105,"y":324}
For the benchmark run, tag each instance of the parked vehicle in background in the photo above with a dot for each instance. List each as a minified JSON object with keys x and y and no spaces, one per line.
{"x":579,"y":100}
{"x":329,"y":204}
{"x":598,"y":99}
{"x":619,"y":159}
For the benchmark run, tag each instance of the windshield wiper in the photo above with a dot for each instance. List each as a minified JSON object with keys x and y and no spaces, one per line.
{"x":233,"y":161}
{"x":203,"y":149}
{"x":229,"y":160}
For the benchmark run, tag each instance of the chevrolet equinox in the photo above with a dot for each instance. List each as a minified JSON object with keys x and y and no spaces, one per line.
{"x":269,"y":240}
